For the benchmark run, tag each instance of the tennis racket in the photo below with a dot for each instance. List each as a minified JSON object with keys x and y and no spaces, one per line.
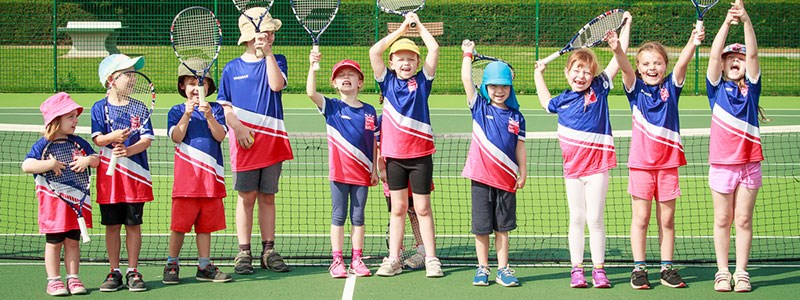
{"x":71,"y":187}
{"x":401,"y":7}
{"x":195,"y":35}
{"x":244,"y":5}
{"x":479,"y":63}
{"x":315,"y":16}
{"x":705,"y":5}
{"x":592,"y":33}
{"x":136,"y":99}
{"x":736,"y":21}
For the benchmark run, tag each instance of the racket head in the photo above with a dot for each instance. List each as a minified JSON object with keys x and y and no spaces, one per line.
{"x":479,"y":64}
{"x":196,"y":34}
{"x":244,"y":5}
{"x":72,"y":187}
{"x":135,"y":98}
{"x":702,"y":6}
{"x":592,"y":33}
{"x":315,"y":15}
{"x":400,"y":7}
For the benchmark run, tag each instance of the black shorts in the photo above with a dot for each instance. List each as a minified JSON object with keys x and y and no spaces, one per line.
{"x":493,"y":209}
{"x":418,"y":171}
{"x":57,"y":238}
{"x":410,"y":203}
{"x":128,"y":214}
{"x":265,"y":180}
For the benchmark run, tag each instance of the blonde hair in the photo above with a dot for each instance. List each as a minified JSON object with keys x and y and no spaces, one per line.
{"x":654,"y":47}
{"x":51,"y":129}
{"x":585,"y":56}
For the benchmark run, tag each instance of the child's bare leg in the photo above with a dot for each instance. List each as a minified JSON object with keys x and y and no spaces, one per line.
{"x":133,"y":242}
{"x":422,"y":205}
{"x":52,"y":259}
{"x":397,"y":221}
{"x":113,"y":242}
{"x":482,"y":249}
{"x":72,"y":256}
{"x":244,"y":216}
{"x":501,"y":246}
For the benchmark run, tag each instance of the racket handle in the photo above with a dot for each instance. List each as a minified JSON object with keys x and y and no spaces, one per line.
{"x":697,"y":28}
{"x":112,"y":165}
{"x":84,"y":230}
{"x":735,"y":21}
{"x":315,"y":49}
{"x":550,"y":58}
{"x":202,"y":94}
{"x":413,"y":24}
{"x":259,"y":53}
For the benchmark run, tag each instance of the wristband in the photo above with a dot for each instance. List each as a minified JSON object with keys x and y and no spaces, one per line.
{"x":467,"y":54}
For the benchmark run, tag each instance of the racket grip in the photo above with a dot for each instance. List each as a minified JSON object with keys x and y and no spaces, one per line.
{"x":259,"y":53}
{"x":202,"y":94}
{"x":697,"y":28}
{"x":315,"y":49}
{"x":550,"y":58}
{"x":112,"y":164}
{"x":84,"y":231}
{"x":413,"y":24}
{"x":735,"y":21}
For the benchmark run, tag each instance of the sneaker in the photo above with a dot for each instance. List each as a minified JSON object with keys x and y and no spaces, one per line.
{"x":243,"y":263}
{"x":639,"y":280}
{"x":433,"y":267}
{"x":505,"y":277}
{"x":481,"y":276}
{"x":722,"y":281}
{"x":600,"y":280}
{"x":671,"y":278}
{"x":273,"y":261}
{"x":75,"y":286}
{"x":56,"y":288}
{"x":578,"y":280}
{"x":212,"y":273}
{"x":337,"y":268}
{"x":359,"y":268}
{"x":389,"y":267}
{"x":171,"y":274}
{"x":741,"y":281}
{"x":416,"y":261}
{"x":112,"y":283}
{"x":135,"y":281}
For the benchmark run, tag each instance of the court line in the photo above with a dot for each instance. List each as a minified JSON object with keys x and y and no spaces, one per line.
{"x":349,"y":286}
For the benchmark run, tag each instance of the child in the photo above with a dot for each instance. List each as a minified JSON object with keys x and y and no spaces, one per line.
{"x":495,"y":164}
{"x":734,"y":87}
{"x":584,"y":132}
{"x":407,"y":144}
{"x":351,"y":156}
{"x":56,"y":220}
{"x":198,"y":134}
{"x":122,"y":196}
{"x":250,"y":92}
{"x":656,"y":151}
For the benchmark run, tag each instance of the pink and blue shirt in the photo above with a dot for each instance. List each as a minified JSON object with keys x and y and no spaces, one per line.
{"x":198,"y":166}
{"x":407,"y":131}
{"x":351,"y":141}
{"x":735,"y":134}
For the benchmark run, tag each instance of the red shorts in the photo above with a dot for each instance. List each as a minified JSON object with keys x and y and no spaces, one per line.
{"x":661,"y":185}
{"x":206,"y":214}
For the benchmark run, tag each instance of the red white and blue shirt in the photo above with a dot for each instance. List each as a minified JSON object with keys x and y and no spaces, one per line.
{"x":198,"y":168}
{"x":131,"y":182}
{"x":584,"y":129}
{"x":55,"y":216}
{"x":407,"y":131}
{"x":351,"y":141}
{"x":655,"y":135}
{"x":245,"y":87}
{"x":492,"y":158}
{"x":735,"y":134}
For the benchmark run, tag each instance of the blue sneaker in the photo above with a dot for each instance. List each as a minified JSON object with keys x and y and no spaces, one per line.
{"x":481,"y":276}
{"x":505,"y":276}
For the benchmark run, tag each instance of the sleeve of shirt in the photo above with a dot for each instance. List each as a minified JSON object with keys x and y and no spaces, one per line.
{"x":98,"y":120}
{"x":326,"y":105}
{"x":223,"y":93}
{"x":219,"y":114}
{"x":284,"y":67}
{"x":711,"y":90}
{"x":36,"y":149}
{"x":148,"y":132}
{"x":378,"y":121}
{"x":754,"y":87}
{"x":521,"y":134}
{"x":475,"y":100}
{"x":632,"y":93}
{"x":552,"y":106}
{"x":382,"y":79}
{"x":606,"y":85}
{"x":173,"y":117}
{"x":674,"y":88}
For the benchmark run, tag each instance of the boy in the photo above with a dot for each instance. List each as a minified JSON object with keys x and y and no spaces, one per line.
{"x":407,"y":137}
{"x":250,"y":94}
{"x":198,"y":129}
{"x":122,"y":196}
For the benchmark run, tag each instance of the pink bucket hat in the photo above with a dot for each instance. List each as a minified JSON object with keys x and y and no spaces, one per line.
{"x":346,"y":63}
{"x":58,"y":105}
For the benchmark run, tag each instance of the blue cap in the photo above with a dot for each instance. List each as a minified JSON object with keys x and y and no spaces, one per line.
{"x":116,"y":62}
{"x":499,"y":73}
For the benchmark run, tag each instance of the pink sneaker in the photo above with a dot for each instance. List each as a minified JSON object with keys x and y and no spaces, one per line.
{"x":337,"y":268}
{"x":600,"y":280}
{"x":359,"y":268}
{"x":57,"y":288}
{"x":578,"y":280}
{"x":75,"y":286}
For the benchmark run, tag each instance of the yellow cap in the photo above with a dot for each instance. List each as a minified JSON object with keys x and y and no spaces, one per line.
{"x":248,"y":30}
{"x":404,"y":44}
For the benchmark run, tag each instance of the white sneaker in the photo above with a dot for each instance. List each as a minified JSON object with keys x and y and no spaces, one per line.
{"x":433,"y":267}
{"x":741,"y":281}
{"x":722,"y":281}
{"x":390,"y":267}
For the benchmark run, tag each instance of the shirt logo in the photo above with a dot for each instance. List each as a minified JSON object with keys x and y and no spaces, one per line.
{"x":346,"y":117}
{"x":513,"y":126}
{"x":369,"y":122}
{"x":135,"y":123}
{"x":590,"y":97}
{"x":744,"y":90}
{"x":240,"y":77}
{"x":490,"y":117}
{"x":78,"y":153}
{"x":664,"y":94}
{"x":412,"y":84}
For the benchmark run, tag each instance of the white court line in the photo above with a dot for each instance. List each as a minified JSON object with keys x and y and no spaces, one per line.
{"x":349,"y":287}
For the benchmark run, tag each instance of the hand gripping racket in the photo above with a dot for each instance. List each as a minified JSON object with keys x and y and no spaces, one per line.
{"x":196,"y":36}
{"x":244,"y":5}
{"x":592,"y":33}
{"x":135,"y":100}
{"x":705,"y":5}
{"x":71,"y":187}
{"x":315,"y":16}
{"x":401,"y":7}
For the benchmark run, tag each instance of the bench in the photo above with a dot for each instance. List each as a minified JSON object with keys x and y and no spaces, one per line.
{"x":92,"y":38}
{"x":435,"y":28}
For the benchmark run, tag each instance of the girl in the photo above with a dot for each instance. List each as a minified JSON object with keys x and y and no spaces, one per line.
{"x":584,"y":132}
{"x":734,"y":87}
{"x":351,"y":156}
{"x":56,"y":220}
{"x":656,"y":151}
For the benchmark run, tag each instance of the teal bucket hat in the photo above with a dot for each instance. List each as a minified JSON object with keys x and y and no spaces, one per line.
{"x":499,"y":73}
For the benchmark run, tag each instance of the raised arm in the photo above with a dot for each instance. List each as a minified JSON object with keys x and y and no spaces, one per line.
{"x":628,"y":74}
{"x":624,"y":40}
{"x":679,"y":71}
{"x":311,"y":80}
{"x":714,"y":70}
{"x":432,"y":58}
{"x":466,"y":70}
{"x":541,"y":87}
{"x":751,"y":58}
{"x":376,"y":51}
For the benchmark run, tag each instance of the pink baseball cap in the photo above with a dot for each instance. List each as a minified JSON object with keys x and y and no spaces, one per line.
{"x":58,"y":105}
{"x":346,"y":63}
{"x":734,"y":48}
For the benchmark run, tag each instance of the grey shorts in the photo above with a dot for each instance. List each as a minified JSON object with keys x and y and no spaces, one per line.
{"x":265,"y":180}
{"x":493,"y":209}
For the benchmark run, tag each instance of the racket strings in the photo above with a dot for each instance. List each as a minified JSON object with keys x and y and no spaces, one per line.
{"x":596,"y":31}
{"x":69,"y":181}
{"x":477,"y":71}
{"x":134,"y":111}
{"x":244,"y":5}
{"x":704,"y":3}
{"x":403,"y":6}
{"x":196,"y":34}
{"x":315,"y":14}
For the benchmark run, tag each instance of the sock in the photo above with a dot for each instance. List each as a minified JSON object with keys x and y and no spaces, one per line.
{"x":203,"y":262}
{"x":639,"y":265}
{"x":666,"y":264}
{"x":427,"y":258}
{"x":337,"y":254}
{"x":392,"y":258}
{"x":172,"y":260}
{"x":72,"y":276}
{"x":115,"y":270}
{"x":130,"y":270}
{"x":267,"y":245}
{"x":51,"y":279}
{"x":357,"y":253}
{"x":578,"y":266}
{"x":244,"y":247}
{"x":599,"y":266}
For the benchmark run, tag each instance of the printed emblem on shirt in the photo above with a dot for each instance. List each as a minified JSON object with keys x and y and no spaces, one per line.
{"x":369,"y":122}
{"x":135,"y":122}
{"x":590,"y":97}
{"x":412,"y":84}
{"x":513,"y":126}
{"x":744,"y":91}
{"x":664,"y":94}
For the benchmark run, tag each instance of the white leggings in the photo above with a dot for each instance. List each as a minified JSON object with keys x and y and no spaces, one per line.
{"x":587,"y":199}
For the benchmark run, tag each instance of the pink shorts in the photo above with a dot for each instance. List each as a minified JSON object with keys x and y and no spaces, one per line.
{"x":661,"y":185}
{"x":725,"y":178}
{"x":206,"y":214}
